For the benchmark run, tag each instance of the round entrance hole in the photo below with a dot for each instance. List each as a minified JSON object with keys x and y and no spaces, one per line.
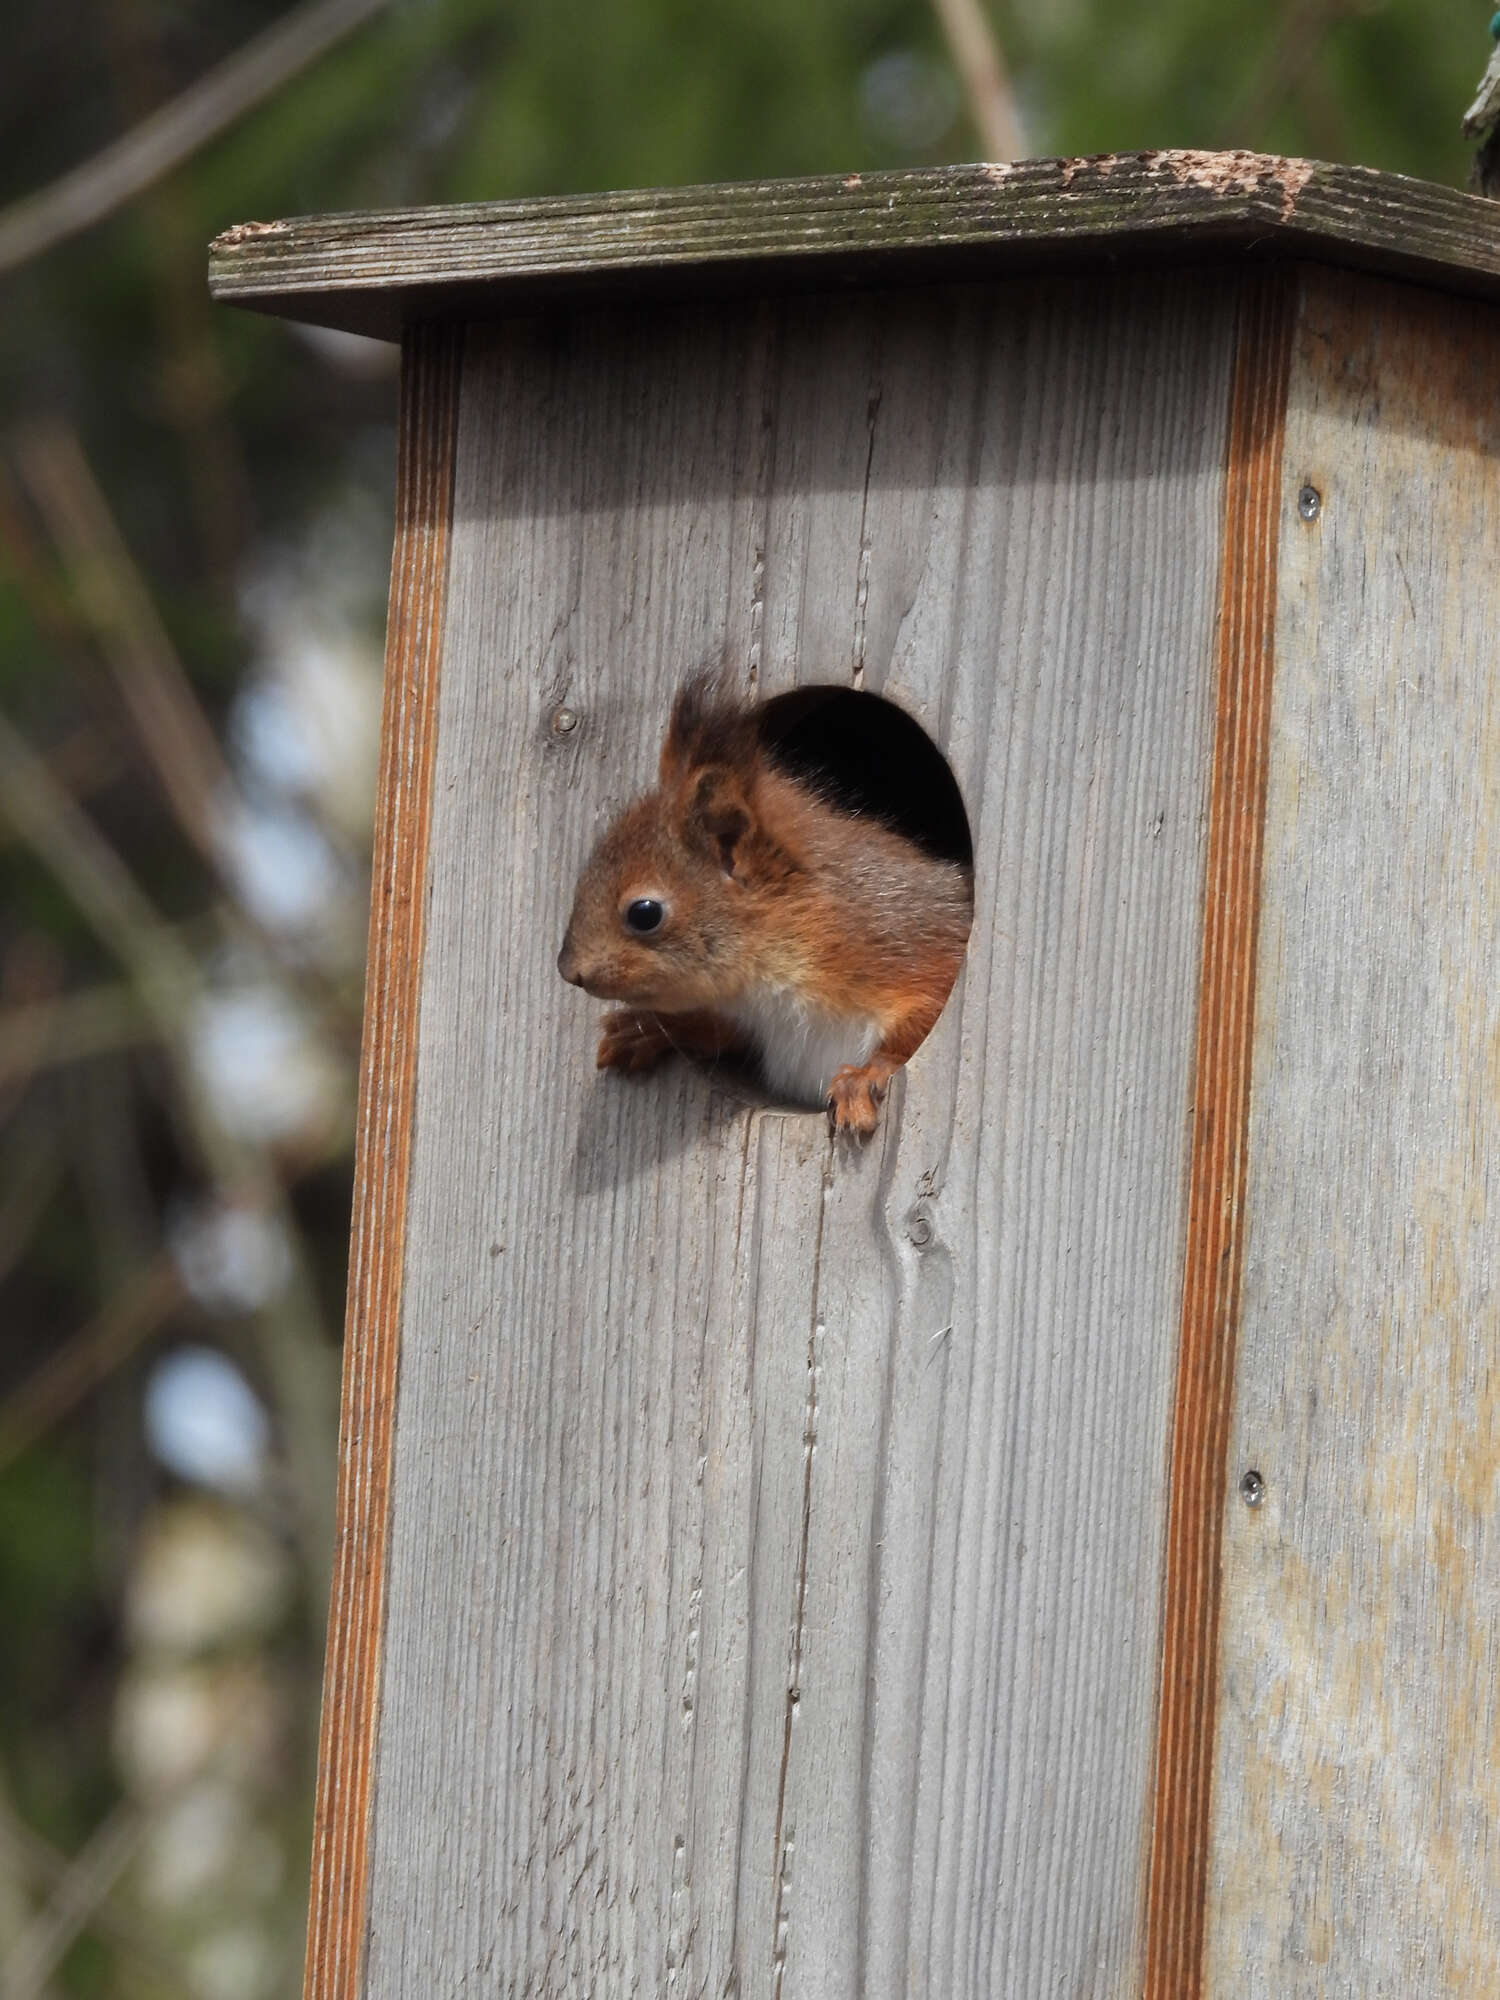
{"x":867,"y":757}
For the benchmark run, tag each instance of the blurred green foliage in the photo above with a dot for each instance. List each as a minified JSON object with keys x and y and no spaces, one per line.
{"x":217,"y":438}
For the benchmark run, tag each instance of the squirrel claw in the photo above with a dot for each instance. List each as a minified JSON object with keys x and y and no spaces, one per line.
{"x":854,"y":1098}
{"x":632,"y":1041}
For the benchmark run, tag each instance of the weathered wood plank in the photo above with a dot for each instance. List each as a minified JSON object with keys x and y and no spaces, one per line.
{"x":776,"y":1544}
{"x":1357,"y":1790}
{"x":374,"y":272}
{"x":1212,"y":1263}
{"x":419,"y":574}
{"x":563,"y":1740}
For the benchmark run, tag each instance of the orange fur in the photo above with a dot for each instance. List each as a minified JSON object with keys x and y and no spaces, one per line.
{"x":777,"y":904}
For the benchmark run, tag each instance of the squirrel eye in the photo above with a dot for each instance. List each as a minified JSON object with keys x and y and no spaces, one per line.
{"x":644,"y":914}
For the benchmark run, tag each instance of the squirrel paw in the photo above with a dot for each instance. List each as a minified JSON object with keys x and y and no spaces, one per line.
{"x":632,"y":1041}
{"x":854,"y":1098}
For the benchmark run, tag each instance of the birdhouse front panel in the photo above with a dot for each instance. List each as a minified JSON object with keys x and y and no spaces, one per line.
{"x":723,"y":1450}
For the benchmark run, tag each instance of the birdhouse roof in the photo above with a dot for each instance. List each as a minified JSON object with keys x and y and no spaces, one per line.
{"x":377,"y":271}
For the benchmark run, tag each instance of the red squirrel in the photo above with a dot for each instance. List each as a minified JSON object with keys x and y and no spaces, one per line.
{"x":740,"y":910}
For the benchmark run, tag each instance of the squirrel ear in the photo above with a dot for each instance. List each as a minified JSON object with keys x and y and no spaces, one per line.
{"x":689,"y":711}
{"x":718,"y":816}
{"x":710,"y":725}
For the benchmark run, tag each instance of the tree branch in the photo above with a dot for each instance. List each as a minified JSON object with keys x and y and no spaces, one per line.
{"x":123,"y":617}
{"x":173,"y":134}
{"x":169,"y":986}
{"x":88,"y":1879}
{"x":980,"y":62}
{"x":131,"y":1316}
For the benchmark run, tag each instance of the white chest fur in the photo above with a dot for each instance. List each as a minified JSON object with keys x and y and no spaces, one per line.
{"x":800,"y":1047}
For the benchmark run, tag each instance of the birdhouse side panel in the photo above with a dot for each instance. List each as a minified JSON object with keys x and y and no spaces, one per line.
{"x":1357,"y":1788}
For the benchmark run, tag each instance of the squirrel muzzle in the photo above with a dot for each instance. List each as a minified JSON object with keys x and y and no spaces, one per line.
{"x":567,"y":960}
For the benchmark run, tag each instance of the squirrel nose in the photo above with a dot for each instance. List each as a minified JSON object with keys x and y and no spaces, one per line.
{"x":567,"y":962}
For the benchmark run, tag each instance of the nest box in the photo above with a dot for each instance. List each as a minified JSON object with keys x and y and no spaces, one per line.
{"x":1056,"y":1550}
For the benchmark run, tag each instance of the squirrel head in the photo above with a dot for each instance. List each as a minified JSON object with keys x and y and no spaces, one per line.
{"x":665,"y":912}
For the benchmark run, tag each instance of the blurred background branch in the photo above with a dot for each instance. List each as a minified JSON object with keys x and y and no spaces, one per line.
{"x":112,"y":599}
{"x":170,"y":136}
{"x":32,"y":1867}
{"x":76,"y":1895}
{"x":62,"y":1031}
{"x":980,"y":64}
{"x":1291,"y":63}
{"x":132,"y":1314}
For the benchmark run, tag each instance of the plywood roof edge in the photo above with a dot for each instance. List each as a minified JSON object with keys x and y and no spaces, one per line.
{"x":375,"y":271}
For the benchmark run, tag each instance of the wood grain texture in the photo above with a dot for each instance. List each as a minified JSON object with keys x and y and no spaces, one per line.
{"x":419,"y":569}
{"x":1245,"y":646}
{"x":374,"y":272}
{"x":776,"y":1541}
{"x":1357,"y":1788}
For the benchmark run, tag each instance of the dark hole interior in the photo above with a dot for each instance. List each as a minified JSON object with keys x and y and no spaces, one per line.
{"x":866,"y":755}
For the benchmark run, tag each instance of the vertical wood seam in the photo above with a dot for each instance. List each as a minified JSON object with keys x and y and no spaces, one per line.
{"x":1213,"y":1252}
{"x":337,"y":1910}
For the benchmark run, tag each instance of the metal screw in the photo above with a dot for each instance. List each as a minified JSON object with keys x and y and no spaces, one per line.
{"x":1309,"y":503}
{"x":1252,"y":1489}
{"x":919,"y":1228}
{"x":564,"y":722}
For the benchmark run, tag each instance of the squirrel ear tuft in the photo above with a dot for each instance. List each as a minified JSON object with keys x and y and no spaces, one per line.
{"x":717,"y":819}
{"x":710,"y":725}
{"x":693,"y":704}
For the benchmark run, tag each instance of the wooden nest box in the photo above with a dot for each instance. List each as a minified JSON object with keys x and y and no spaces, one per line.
{"x":1056,"y":1550}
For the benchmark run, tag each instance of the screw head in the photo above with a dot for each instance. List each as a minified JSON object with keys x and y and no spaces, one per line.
{"x":1252,"y":1488}
{"x":919,"y":1228}
{"x":1309,"y":503}
{"x":564,"y":722}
